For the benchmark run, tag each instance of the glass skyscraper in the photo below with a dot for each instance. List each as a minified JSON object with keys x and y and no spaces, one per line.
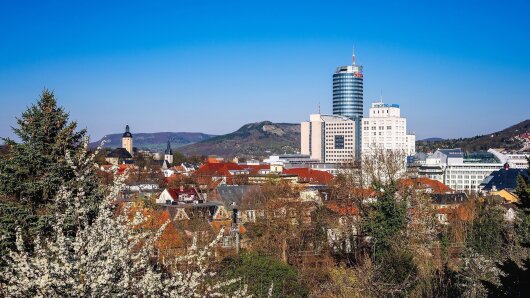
{"x":348,"y":97}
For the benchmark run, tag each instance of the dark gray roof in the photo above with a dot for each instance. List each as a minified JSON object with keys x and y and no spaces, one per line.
{"x":503,"y":179}
{"x":447,"y":199}
{"x":127,"y":133}
{"x":234,"y":193}
{"x":120,"y":153}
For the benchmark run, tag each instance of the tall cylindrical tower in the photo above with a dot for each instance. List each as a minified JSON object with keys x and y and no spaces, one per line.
{"x":348,"y":97}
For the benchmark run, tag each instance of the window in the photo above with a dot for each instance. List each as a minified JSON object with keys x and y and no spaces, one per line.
{"x":227,"y":241}
{"x":251,"y":215}
{"x":339,"y":142}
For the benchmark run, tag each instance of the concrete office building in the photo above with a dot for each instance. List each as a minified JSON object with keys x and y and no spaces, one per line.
{"x":386,"y":129}
{"x":516,"y":160}
{"x":459,"y":171}
{"x":328,"y":138}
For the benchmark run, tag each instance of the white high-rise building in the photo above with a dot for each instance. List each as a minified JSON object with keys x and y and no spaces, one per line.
{"x":328,"y":138}
{"x":386,"y":129}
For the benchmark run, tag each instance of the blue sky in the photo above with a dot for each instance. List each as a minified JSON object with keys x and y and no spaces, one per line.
{"x":457,"y":68}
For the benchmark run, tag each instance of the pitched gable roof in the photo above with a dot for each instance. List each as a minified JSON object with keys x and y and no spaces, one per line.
{"x":426,"y":183}
{"x":310,"y":175}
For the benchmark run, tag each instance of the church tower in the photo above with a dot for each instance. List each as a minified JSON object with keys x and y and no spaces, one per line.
{"x":168,"y":156}
{"x":127,"y":140}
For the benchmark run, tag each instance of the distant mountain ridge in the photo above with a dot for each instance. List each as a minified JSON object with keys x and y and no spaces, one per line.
{"x":155,"y":141}
{"x":258,"y":139}
{"x":506,"y":138}
{"x":432,"y":139}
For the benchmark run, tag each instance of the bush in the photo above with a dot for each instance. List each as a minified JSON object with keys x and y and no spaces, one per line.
{"x":260,"y":272}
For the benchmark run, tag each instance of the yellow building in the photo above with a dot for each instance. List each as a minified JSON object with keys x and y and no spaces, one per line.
{"x":506,"y":195}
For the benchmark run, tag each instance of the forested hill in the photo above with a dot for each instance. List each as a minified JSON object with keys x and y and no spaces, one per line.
{"x":258,"y":139}
{"x":507,"y":138}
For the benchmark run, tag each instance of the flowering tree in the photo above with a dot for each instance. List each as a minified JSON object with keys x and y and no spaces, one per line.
{"x":102,"y":257}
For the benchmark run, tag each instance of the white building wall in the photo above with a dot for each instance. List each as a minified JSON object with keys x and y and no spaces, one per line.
{"x":386,"y":129}
{"x":468,"y":176}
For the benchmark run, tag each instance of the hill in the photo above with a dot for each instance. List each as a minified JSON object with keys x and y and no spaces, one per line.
{"x":251,"y":140}
{"x":507,"y":138}
{"x":156,"y":141}
{"x":432,"y":140}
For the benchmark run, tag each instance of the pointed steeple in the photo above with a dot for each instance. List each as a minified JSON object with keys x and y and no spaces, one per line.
{"x":127,"y":133}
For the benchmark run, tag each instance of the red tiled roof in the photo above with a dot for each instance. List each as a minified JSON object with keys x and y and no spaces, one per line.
{"x":218,"y":169}
{"x":342,"y":208}
{"x":123,"y":167}
{"x":310,"y":175}
{"x":175,"y":192}
{"x":423,"y":182}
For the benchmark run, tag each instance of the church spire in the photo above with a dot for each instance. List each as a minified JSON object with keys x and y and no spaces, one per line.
{"x":168,"y":148}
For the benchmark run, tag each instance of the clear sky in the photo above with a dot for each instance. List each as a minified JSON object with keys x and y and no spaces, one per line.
{"x":457,"y":68}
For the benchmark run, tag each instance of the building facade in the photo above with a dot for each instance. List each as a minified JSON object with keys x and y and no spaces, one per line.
{"x":348,"y":96}
{"x":386,"y":129}
{"x":516,"y":160}
{"x":459,"y":171}
{"x":329,"y":138}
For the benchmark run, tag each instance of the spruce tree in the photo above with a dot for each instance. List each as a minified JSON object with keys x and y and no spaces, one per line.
{"x":522,"y":226}
{"x":36,"y":167}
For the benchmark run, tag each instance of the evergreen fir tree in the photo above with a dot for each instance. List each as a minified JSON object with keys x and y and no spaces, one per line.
{"x":386,"y":219}
{"x":522,"y":224}
{"x":34,"y":169}
{"x":523,"y":192}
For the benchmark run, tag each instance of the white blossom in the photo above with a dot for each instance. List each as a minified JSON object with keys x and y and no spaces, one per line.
{"x":104,"y":257}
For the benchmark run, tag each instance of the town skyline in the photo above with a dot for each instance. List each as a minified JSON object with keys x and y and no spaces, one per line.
{"x":164,"y":73}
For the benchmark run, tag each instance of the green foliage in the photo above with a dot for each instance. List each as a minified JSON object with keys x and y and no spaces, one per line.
{"x":523,"y":192}
{"x":260,"y":272}
{"x":34,"y":170}
{"x":522,"y":223}
{"x":398,"y":268}
{"x":386,"y":219}
{"x":514,"y":282}
{"x":486,"y":234}
{"x":178,"y":158}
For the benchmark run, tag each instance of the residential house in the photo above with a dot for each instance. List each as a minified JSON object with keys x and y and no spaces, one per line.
{"x":182,"y":195}
{"x":448,"y":204}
